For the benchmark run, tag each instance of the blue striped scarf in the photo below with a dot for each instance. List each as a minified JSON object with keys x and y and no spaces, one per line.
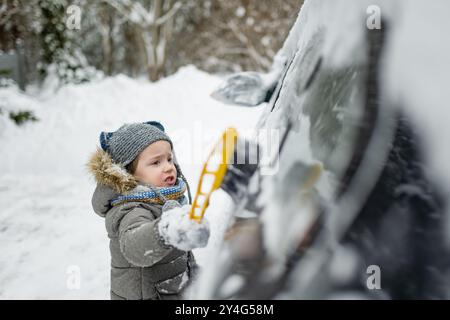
{"x":156,"y":195}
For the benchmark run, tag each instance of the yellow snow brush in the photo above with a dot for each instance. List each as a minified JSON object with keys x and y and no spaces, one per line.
{"x":213,"y":172}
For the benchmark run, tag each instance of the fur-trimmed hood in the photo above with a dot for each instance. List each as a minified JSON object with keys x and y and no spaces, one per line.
{"x":114,"y":180}
{"x":110,"y":174}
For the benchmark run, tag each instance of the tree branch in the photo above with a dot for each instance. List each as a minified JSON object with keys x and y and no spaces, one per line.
{"x":169,"y":14}
{"x":136,"y":13}
{"x":261,"y":60}
{"x":7,"y":11}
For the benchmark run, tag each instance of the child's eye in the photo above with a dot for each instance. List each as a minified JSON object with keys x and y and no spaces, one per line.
{"x":155,"y":162}
{"x":170,"y":159}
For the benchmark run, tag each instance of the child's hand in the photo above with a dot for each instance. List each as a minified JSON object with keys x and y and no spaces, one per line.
{"x":178,"y":230}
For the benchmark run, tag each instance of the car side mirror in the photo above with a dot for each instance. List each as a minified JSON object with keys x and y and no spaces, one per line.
{"x":245,"y":89}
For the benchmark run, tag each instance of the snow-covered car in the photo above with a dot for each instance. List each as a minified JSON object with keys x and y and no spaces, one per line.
{"x":358,"y":205}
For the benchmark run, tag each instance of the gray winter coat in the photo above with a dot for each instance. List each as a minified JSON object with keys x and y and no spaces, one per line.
{"x":142,"y":265}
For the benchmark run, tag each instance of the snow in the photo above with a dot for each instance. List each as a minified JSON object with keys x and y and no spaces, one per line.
{"x":178,"y":230}
{"x":184,"y":279}
{"x":215,"y":256}
{"x":246,"y":88}
{"x":418,"y":81}
{"x":240,"y":12}
{"x":231,"y":285}
{"x":47,"y":224}
{"x":343,"y":266}
{"x":48,"y":230}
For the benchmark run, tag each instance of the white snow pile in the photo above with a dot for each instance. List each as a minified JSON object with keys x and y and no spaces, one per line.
{"x":180,"y":231}
{"x":53,"y":244}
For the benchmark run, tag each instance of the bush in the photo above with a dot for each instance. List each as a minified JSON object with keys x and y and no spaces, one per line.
{"x":22,"y":117}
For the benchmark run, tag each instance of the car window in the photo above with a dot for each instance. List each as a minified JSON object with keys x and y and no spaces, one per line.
{"x":335,"y":107}
{"x":325,"y":105}
{"x":302,"y":67}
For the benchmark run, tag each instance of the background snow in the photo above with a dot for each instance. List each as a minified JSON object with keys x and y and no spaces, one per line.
{"x":47,"y":224}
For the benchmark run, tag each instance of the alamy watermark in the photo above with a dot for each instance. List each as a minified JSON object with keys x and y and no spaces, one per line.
{"x":373,"y":281}
{"x":193,"y":144}
{"x":73,"y":21}
{"x":374,"y":17}
{"x":73,"y":281}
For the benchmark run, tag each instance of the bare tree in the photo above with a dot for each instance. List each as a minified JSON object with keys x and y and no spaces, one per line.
{"x":157,"y":37}
{"x":106,"y":24}
{"x":151,"y":29}
{"x":232,"y":35}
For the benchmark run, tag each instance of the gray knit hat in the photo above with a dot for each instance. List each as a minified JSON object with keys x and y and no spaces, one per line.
{"x":125,"y":144}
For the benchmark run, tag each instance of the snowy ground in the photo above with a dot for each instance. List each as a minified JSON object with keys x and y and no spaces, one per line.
{"x":50,"y":237}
